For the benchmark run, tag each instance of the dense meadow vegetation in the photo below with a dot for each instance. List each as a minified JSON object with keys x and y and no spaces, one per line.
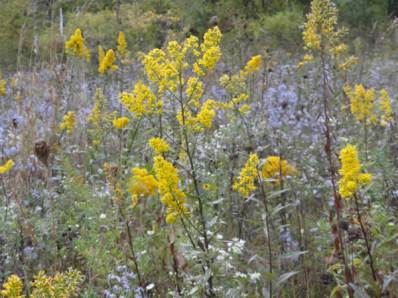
{"x":199,"y":148}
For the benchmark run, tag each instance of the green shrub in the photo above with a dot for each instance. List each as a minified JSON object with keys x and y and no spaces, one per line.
{"x":282,"y":28}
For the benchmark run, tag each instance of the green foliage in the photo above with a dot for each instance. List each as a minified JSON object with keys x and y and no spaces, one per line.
{"x":16,"y":30}
{"x":281,"y":29}
{"x":361,"y":16}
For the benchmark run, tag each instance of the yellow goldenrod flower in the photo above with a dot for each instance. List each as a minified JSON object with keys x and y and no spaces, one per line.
{"x":275,"y":168}
{"x":203,"y":120}
{"x":108,"y":62}
{"x":206,"y":114}
{"x":244,"y":109}
{"x":361,"y":101}
{"x":101,"y":54}
{"x":194,"y":89}
{"x":385,"y":108}
{"x":306,"y":59}
{"x":68,"y":122}
{"x":121,"y":44}
{"x":99,"y":117}
{"x":75,"y":46}
{"x":141,"y":184}
{"x":247,"y":177}
{"x":348,"y":63}
{"x":339,"y":49}
{"x":12,"y":288}
{"x":159,"y":145}
{"x":140,"y":101}
{"x":351,"y":176}
{"x":321,"y":25}
{"x":3,"y":87}
{"x":64,"y":284}
{"x":322,"y":35}
{"x":253,"y":65}
{"x":120,"y":122}
{"x":210,"y":52}
{"x":7,"y":166}
{"x":168,"y":186}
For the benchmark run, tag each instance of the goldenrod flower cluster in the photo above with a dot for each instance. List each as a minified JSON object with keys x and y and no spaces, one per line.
{"x":165,"y":67}
{"x":141,"y":101}
{"x":362,"y":102}
{"x":141,"y":184}
{"x":108,"y":62}
{"x":12,"y":288}
{"x":351,"y":176}
{"x":277,"y":168}
{"x":206,"y":114}
{"x":348,"y":63}
{"x":121,"y":45}
{"x":7,"y":166}
{"x":60,"y":285}
{"x":235,"y":85}
{"x":168,"y":185}
{"x":3,"y":87}
{"x":63,"y":285}
{"x":194,"y":91}
{"x":99,"y":117}
{"x":120,"y":122}
{"x":158,"y":145}
{"x":203,"y":119}
{"x":68,"y":122}
{"x":306,"y":59}
{"x":101,"y":54}
{"x":75,"y":46}
{"x":364,"y":106}
{"x":247,"y":177}
{"x":385,"y":108}
{"x":210,"y":52}
{"x":321,"y":25}
{"x":253,"y":65}
{"x":321,"y":34}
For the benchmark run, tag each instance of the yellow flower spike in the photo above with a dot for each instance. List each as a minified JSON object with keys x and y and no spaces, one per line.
{"x":253,"y":65}
{"x":247,"y":177}
{"x":385,"y":108}
{"x":274,"y":167}
{"x":99,"y":117}
{"x":321,"y":34}
{"x":210,"y":52}
{"x":134,"y":201}
{"x":75,"y":46}
{"x":361,"y":101}
{"x":141,"y":184}
{"x":68,"y":122}
{"x":350,"y":171}
{"x":101,"y":54}
{"x":108,"y":62}
{"x":194,"y":89}
{"x":141,"y":101}
{"x":206,"y":114}
{"x":12,"y":288}
{"x":168,"y":186}
{"x":158,"y":145}
{"x":7,"y":166}
{"x":3,"y":87}
{"x":122,"y":45}
{"x":306,"y":59}
{"x":120,"y":122}
{"x":338,"y":50}
{"x":348,"y":63}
